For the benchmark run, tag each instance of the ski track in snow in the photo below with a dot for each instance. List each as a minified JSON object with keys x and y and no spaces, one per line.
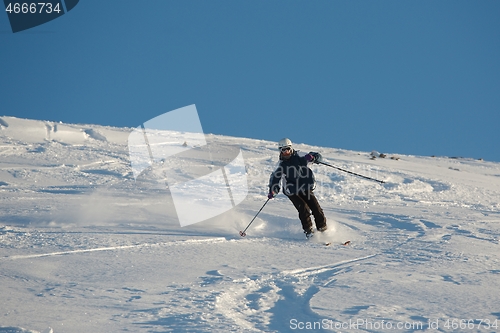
{"x":320,"y":269}
{"x":112,"y":248}
{"x":85,"y":248}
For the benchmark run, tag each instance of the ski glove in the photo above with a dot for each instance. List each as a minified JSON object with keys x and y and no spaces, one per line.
{"x":271,"y":195}
{"x":313,"y":157}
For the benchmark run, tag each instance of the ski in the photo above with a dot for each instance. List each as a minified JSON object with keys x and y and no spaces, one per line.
{"x":344,"y":243}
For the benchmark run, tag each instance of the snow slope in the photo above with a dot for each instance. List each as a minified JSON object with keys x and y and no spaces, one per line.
{"x":86,"y":248}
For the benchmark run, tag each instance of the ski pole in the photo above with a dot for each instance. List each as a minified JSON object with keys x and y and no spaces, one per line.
{"x":242,"y":233}
{"x":352,"y":173}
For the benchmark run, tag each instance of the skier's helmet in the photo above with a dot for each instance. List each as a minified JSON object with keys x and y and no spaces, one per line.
{"x":285,"y":142}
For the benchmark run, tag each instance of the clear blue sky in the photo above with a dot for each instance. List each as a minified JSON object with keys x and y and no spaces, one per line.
{"x":409,"y":77}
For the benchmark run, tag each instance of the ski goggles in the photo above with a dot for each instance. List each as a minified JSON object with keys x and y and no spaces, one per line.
{"x":285,"y":149}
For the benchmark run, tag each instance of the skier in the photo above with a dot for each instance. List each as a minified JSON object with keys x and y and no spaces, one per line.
{"x":297,"y":180}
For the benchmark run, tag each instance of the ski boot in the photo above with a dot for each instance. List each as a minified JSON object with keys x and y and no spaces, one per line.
{"x":323,"y":228}
{"x":309,"y":233}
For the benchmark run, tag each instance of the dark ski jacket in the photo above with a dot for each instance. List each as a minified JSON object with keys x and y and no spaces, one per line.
{"x":294,"y":175}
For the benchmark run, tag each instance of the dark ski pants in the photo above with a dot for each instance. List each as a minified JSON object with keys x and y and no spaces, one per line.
{"x":305,"y":203}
